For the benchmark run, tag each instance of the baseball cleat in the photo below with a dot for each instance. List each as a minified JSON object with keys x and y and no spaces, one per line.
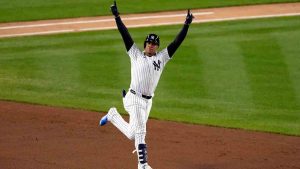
{"x":103,"y":120}
{"x":145,"y":166}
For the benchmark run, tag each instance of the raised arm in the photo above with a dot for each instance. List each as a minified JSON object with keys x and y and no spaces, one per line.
{"x":121,"y":27}
{"x":173,"y":46}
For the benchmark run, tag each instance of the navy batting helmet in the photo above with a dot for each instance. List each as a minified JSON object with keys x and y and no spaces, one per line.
{"x":153,"y":38}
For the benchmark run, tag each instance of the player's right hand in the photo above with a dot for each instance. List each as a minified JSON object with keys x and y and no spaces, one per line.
{"x":114,"y":9}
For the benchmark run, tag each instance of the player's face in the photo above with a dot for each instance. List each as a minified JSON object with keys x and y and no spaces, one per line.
{"x":151,"y":48}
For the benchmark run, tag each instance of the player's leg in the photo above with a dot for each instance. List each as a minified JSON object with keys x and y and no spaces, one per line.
{"x":149,"y":106}
{"x":116,"y":119}
{"x":143,"y":148}
{"x":140,"y":114}
{"x":139,"y":124}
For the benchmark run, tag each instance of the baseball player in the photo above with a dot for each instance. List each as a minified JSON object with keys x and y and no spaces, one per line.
{"x":146,"y":69}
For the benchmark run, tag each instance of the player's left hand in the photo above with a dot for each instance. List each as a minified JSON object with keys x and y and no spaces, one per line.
{"x":189,"y":17}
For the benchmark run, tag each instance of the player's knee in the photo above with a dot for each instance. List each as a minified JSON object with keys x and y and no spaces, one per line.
{"x":131,"y":136}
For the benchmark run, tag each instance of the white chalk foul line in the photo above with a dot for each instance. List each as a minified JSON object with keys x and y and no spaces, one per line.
{"x":246,"y":17}
{"x":157,"y":24}
{"x":196,"y":21}
{"x":102,"y":20}
{"x":37,"y":33}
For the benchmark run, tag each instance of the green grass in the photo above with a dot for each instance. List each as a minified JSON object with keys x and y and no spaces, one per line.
{"x":240,"y":74}
{"x":20,"y":10}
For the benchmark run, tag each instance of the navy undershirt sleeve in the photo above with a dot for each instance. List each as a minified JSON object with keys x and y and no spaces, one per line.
{"x":178,"y":40}
{"x":124,"y":33}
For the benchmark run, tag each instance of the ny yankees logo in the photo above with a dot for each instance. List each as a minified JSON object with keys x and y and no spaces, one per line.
{"x":156,"y":65}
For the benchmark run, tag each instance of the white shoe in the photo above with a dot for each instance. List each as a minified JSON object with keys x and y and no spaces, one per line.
{"x":144,"y":166}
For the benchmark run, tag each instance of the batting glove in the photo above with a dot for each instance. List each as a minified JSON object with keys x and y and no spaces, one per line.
{"x":189,"y":17}
{"x":114,"y":9}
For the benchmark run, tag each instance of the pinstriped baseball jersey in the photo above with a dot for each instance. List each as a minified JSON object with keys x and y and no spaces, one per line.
{"x":146,"y":71}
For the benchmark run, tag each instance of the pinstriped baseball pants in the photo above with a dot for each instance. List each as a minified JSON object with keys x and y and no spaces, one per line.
{"x":138,"y":109}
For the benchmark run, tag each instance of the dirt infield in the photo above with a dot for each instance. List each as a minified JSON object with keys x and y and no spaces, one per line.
{"x":40,"y":137}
